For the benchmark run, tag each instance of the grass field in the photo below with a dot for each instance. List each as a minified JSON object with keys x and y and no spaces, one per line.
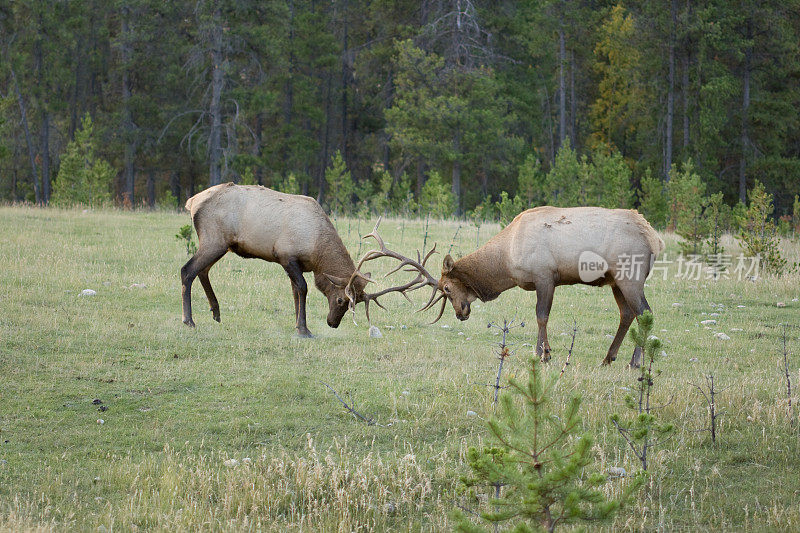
{"x":182,"y":403}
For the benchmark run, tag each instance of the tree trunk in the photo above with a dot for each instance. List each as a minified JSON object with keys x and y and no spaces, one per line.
{"x":215,"y":109}
{"x":151,"y":189}
{"x":562,"y":87}
{"x":258,"y":132}
{"x":345,"y":83}
{"x":44,"y":131}
{"x":457,"y":173}
{"x":670,"y":91}
{"x":572,"y":103}
{"x":420,"y":179}
{"x":288,"y":104}
{"x":74,"y":98}
{"x":175,"y":185}
{"x":31,"y":153}
{"x":325,"y":142}
{"x":685,"y":87}
{"x":45,"y":156}
{"x":129,"y":171}
{"x":748,"y":57}
{"x":191,"y":180}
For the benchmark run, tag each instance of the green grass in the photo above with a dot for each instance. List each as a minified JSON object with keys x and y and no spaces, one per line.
{"x":181,"y":402}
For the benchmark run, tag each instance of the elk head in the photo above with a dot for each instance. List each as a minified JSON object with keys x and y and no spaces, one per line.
{"x":355,"y":293}
{"x":345,"y":291}
{"x":455,"y":290}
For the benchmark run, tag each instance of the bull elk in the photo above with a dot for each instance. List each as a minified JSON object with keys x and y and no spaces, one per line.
{"x":545,"y":247}
{"x":291,"y":230}
{"x":541,"y":249}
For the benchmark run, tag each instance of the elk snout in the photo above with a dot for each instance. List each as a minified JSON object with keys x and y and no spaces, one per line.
{"x":462,"y":313}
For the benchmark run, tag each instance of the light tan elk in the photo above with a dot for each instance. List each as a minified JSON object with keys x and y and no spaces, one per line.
{"x":546,"y":247}
{"x":541,"y":249}
{"x":255,"y":222}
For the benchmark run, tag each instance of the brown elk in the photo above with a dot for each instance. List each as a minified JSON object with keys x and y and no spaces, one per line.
{"x":545,"y":247}
{"x":255,"y":222}
{"x":541,"y":249}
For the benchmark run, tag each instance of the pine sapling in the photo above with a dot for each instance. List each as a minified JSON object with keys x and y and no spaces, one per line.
{"x":644,"y":431}
{"x":710,"y":392}
{"x":787,"y":374}
{"x":185,"y":235}
{"x":503,"y":352}
{"x":538,"y":473}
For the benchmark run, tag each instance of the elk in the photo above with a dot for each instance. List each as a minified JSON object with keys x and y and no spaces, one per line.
{"x":539,"y":250}
{"x":291,"y":230}
{"x":545,"y":247}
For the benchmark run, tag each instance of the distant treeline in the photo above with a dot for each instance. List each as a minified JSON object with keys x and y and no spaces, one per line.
{"x":477,"y":94}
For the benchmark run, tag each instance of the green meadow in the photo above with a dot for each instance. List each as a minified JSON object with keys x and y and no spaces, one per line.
{"x":116,"y":416}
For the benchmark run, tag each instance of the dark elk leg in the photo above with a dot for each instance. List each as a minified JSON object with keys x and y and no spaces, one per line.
{"x":212,"y":298}
{"x":199,"y":262}
{"x":636,"y":359}
{"x":544,"y":301}
{"x":300,"y":290}
{"x":634,"y":296}
{"x":626,"y":316}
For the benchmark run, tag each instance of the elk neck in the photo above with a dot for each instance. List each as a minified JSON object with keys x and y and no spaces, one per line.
{"x":331,"y":258}
{"x":485,"y":270}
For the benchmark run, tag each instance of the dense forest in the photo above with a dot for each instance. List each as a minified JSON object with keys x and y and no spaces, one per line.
{"x":174,"y":96}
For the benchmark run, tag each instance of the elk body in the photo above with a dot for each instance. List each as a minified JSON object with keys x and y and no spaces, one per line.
{"x":291,"y":230}
{"x":545,"y":247}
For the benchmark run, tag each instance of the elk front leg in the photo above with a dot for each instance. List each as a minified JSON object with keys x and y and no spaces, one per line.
{"x":300,"y":289}
{"x":544,"y":301}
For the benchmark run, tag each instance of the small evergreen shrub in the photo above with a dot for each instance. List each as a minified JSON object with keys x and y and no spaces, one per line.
{"x":653,"y":202}
{"x":340,"y":185}
{"x":507,"y":208}
{"x":538,"y":474}
{"x":185,"y":236}
{"x":644,"y":431}
{"x":83,"y":176}
{"x":757,"y":231}
{"x":687,"y":205}
{"x":436,"y":199}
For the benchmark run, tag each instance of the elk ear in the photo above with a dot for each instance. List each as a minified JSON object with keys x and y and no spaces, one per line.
{"x":337,"y":282}
{"x":447,"y":264}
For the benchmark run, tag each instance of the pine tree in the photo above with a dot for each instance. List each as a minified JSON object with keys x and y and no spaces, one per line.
{"x":758,"y":233}
{"x":644,"y":432}
{"x":83,"y":177}
{"x":340,"y":185}
{"x":538,"y":475}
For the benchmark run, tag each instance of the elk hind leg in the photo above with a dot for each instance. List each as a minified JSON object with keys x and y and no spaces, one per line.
{"x":544,"y":301}
{"x":212,"y":298}
{"x":634,"y":295}
{"x":626,"y":316}
{"x":203,"y":259}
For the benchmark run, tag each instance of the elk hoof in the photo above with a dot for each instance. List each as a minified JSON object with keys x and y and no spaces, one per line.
{"x":546,"y":357}
{"x":189,"y":322}
{"x":215,"y":315}
{"x":304,"y":334}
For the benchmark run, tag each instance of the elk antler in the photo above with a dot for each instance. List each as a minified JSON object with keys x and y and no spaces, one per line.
{"x":423,"y":279}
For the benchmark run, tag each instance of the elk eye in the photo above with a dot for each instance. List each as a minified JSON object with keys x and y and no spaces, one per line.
{"x":339,"y":301}
{"x":447,"y":289}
